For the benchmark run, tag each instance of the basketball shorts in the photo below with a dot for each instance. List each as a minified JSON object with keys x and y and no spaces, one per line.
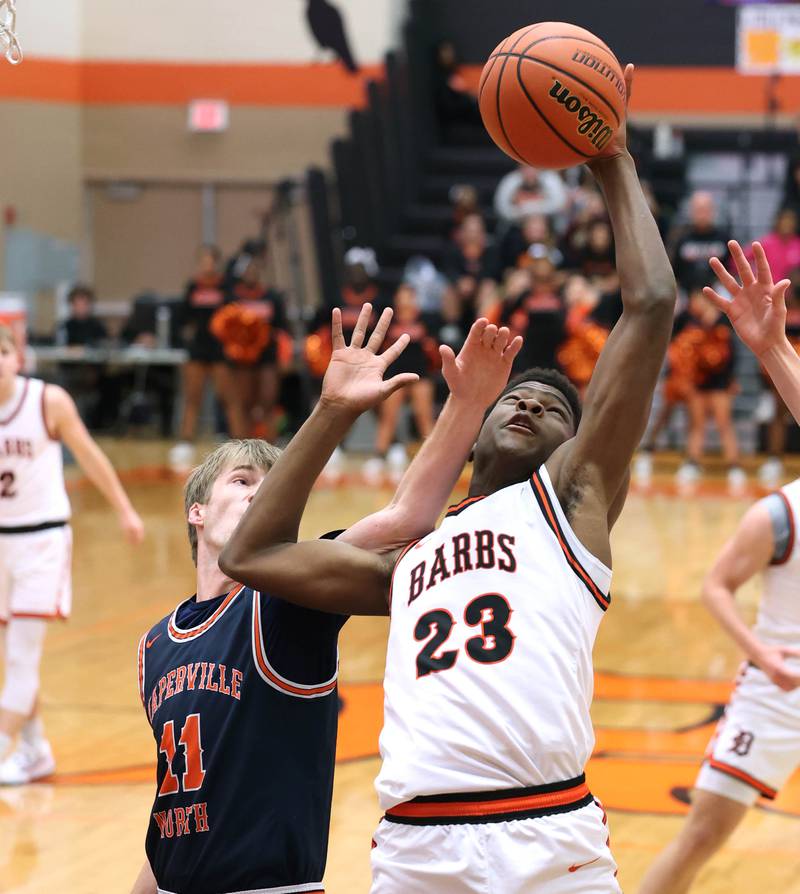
{"x":36,"y":574}
{"x":756,"y":746}
{"x":559,"y":852}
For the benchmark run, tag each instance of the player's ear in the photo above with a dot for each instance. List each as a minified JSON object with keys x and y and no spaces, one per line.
{"x":197,"y":514}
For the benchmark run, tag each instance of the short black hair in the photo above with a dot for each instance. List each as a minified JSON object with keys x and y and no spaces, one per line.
{"x":546,"y":376}
{"x":80,"y":289}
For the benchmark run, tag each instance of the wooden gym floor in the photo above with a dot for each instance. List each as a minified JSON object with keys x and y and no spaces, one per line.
{"x":663,"y":670}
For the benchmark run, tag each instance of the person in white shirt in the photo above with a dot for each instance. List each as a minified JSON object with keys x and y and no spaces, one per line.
{"x":757,"y":743}
{"x":36,"y":546}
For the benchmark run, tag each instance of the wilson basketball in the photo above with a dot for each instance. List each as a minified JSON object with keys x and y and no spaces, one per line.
{"x":552,"y":95}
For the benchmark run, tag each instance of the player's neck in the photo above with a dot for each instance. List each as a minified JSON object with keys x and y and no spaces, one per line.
{"x":7,"y":389}
{"x":495,"y":476}
{"x":211,"y":582}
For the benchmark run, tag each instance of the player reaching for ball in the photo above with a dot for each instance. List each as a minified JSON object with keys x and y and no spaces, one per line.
{"x":756,"y":747}
{"x":240,"y":687}
{"x":36,"y":546}
{"x":757,"y":311}
{"x":494,"y":614}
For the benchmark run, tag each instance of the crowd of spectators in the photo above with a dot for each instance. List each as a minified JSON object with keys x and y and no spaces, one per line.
{"x":540,"y":261}
{"x":548,"y":272}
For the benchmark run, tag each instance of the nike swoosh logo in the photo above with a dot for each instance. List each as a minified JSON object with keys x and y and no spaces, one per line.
{"x":576,"y":866}
{"x":150,"y":642}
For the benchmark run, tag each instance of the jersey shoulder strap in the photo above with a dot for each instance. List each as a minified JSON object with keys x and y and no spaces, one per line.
{"x":593,"y":574}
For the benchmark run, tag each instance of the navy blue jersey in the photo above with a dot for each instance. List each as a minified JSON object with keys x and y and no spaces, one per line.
{"x":240,"y":692}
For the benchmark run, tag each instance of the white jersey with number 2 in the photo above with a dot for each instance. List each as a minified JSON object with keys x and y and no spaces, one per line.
{"x":489,"y":666}
{"x":32,"y":488}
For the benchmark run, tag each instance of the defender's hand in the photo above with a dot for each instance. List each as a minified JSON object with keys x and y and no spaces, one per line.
{"x":354,"y":379}
{"x":757,"y":309}
{"x":772,"y":660}
{"x":483,"y":365}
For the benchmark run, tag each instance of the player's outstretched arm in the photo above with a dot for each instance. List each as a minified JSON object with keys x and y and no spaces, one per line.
{"x":618,"y":398}
{"x":746,"y":554}
{"x":757,"y":311}
{"x":263,"y":551}
{"x":65,"y":423}
{"x":475,"y":378}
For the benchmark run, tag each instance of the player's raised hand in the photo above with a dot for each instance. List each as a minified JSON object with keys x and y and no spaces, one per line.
{"x":772,"y":660}
{"x":619,"y":145}
{"x":480,"y":371}
{"x":757,"y":307}
{"x":354,"y":378}
{"x":132,"y":526}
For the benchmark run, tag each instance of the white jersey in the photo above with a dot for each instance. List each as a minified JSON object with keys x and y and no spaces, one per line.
{"x":489,"y":665}
{"x":32,"y":488}
{"x":779,"y":611}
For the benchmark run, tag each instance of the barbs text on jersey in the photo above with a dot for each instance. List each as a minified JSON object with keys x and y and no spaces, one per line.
{"x":470,"y":550}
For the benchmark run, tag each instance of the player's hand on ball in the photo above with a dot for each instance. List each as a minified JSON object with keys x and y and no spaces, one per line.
{"x":772,"y":660}
{"x":480,"y":371}
{"x":132,"y":526}
{"x":354,"y":378}
{"x":757,"y":307}
{"x":619,"y":145}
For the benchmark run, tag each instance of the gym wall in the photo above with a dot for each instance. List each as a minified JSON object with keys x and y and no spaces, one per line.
{"x":104,"y":87}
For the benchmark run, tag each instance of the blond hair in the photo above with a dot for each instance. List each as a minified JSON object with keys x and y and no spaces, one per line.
{"x":249,"y":452}
{"x":7,"y":336}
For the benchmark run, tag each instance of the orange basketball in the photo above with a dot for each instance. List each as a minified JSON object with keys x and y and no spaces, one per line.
{"x":552,"y":95}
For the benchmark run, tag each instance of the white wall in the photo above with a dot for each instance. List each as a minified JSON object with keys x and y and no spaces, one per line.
{"x":197,"y":30}
{"x":50,"y":28}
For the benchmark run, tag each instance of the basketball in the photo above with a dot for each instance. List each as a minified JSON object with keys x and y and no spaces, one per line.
{"x":552,"y":95}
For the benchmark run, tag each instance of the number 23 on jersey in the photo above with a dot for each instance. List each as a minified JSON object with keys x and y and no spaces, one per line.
{"x":490,"y":612}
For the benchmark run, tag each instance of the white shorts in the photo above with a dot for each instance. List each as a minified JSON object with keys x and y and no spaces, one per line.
{"x":36,"y":574}
{"x":559,"y":853}
{"x":756,"y":746}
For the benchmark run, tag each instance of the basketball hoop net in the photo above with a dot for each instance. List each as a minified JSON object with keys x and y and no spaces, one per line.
{"x":9,"y":44}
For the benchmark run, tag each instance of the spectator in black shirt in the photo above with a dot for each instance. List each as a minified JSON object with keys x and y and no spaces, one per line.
{"x":470,"y":263}
{"x":81,"y":327}
{"x":534,"y":308}
{"x":204,"y":295}
{"x":694,"y":245}
{"x":257,"y":363}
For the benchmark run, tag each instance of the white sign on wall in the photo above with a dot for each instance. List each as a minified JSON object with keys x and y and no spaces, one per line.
{"x":768,"y":39}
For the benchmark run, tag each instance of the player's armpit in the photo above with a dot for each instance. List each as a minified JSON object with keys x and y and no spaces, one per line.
{"x":326,"y":575}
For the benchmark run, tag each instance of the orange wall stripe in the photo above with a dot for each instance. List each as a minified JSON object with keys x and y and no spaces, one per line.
{"x":161,"y":83}
{"x":675,"y":89}
{"x":669,"y":89}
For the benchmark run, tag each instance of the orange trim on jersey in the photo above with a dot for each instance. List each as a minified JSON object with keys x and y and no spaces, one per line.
{"x":406,"y":548}
{"x":18,"y":407}
{"x":429,"y":809}
{"x":181,"y":635}
{"x":140,"y":665}
{"x":790,"y":545}
{"x":468,"y":501}
{"x":47,"y":616}
{"x":266,"y":671}
{"x":602,"y":600}
{"x":765,"y":790}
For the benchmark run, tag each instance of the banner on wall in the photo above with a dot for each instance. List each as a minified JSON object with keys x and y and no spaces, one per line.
{"x":768,"y":39}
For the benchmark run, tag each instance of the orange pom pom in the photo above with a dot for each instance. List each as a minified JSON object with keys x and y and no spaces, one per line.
{"x":243,"y":334}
